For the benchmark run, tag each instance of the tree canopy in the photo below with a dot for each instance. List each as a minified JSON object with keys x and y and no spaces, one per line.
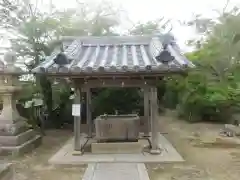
{"x":211,"y":90}
{"x":34,"y":34}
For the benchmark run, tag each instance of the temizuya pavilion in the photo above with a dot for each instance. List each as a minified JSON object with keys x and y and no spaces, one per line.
{"x":117,"y":61}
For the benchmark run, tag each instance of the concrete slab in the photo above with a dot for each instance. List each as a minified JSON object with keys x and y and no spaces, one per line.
{"x":116,"y":171}
{"x":65,"y":155}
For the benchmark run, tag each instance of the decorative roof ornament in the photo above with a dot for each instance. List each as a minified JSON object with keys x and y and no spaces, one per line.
{"x":156,"y":46}
{"x":168,"y":39}
{"x":160,"y":45}
{"x":165,"y":38}
{"x":61,"y":59}
{"x":165,"y":57}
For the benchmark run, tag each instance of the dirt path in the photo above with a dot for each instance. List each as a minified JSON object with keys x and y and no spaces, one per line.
{"x":35,"y":165}
{"x":201,"y":163}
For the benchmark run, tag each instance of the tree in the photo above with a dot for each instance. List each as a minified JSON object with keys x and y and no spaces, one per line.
{"x":150,"y":27}
{"x":211,"y":90}
{"x":34,"y":33}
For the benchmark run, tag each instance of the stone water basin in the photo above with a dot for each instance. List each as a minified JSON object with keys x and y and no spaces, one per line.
{"x":117,"y":127}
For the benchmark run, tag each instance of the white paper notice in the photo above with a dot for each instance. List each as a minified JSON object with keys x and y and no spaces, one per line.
{"x":76,"y":109}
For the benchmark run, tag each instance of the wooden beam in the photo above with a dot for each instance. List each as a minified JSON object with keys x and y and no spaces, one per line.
{"x":154,"y":122}
{"x":89,"y":111}
{"x":107,"y":75}
{"x":118,"y":83}
{"x":146,"y":111}
{"x":77,"y":122}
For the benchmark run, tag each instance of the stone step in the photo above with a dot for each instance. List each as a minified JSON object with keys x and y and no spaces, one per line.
{"x":234,"y":130}
{"x":18,"y":139}
{"x":6,"y":172}
{"x":23,"y":148}
{"x":116,"y":147}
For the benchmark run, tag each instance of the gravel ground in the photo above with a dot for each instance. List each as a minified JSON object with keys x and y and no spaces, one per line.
{"x":211,"y":163}
{"x":217,"y":163}
{"x":35,"y":165}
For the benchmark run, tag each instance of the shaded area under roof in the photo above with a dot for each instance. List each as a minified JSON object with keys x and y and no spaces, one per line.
{"x":114,"y":55}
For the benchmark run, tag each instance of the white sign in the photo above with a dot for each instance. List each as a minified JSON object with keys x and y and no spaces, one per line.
{"x":76,"y":109}
{"x":38,"y":102}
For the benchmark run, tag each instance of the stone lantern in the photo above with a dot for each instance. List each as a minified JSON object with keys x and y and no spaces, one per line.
{"x":15,"y":136}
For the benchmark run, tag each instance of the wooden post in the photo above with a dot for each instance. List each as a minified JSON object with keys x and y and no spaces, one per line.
{"x":154,"y":122}
{"x":146,"y":112}
{"x":77,"y":122}
{"x":89,"y":111}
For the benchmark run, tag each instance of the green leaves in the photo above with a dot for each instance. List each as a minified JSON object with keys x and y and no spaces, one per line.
{"x":211,"y":91}
{"x":149,"y":27}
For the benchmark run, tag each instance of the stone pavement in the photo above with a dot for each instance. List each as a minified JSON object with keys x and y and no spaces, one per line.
{"x":116,"y":171}
{"x":65,"y":155}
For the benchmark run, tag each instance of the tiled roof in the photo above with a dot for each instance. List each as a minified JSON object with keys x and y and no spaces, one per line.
{"x":88,"y":55}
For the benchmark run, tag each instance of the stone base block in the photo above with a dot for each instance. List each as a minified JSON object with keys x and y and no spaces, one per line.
{"x":23,"y":148}
{"x":155,"y":151}
{"x":234,"y":130}
{"x":77,"y":153}
{"x":18,"y":139}
{"x":116,"y":147}
{"x":6,"y":172}
{"x":13,"y":129}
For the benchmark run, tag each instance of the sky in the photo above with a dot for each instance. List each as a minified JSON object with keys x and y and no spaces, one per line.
{"x":145,"y":10}
{"x":176,"y":10}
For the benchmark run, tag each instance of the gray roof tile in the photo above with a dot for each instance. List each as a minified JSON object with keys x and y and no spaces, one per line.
{"x":114,"y":54}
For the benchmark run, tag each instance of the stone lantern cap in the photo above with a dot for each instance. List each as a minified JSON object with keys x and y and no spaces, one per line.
{"x":9,"y":66}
